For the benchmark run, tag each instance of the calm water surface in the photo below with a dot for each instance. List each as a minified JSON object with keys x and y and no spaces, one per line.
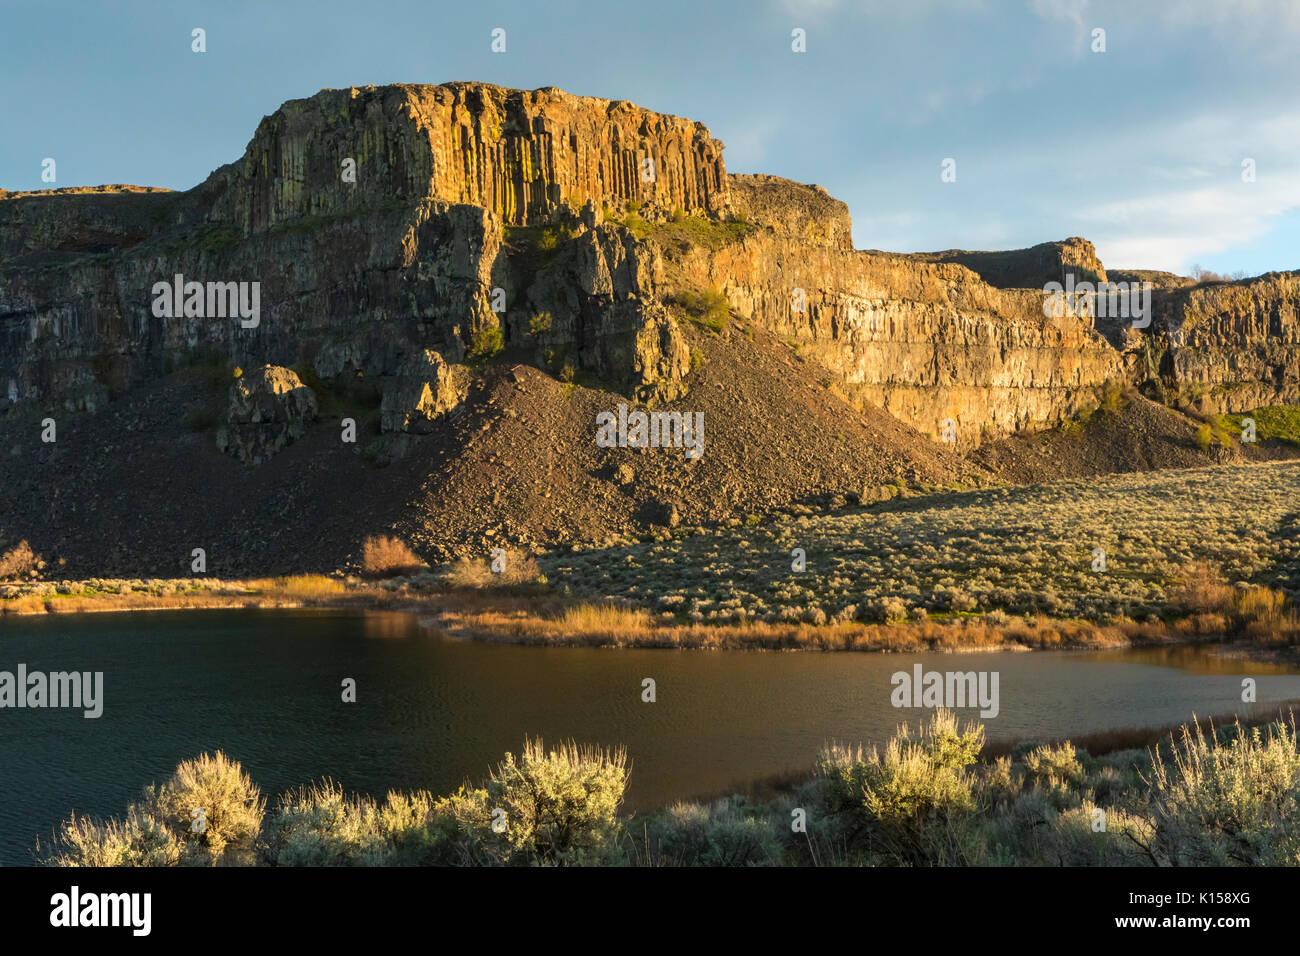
{"x":265,"y":687}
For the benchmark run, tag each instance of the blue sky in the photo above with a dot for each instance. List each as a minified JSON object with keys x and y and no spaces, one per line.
{"x":1138,"y":148}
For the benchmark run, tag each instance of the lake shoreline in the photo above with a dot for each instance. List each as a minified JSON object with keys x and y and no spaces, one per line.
{"x":531,"y":615}
{"x":323,"y":687}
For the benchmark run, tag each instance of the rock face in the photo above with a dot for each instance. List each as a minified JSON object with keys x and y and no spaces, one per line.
{"x":806,"y":213}
{"x":1241,"y":340}
{"x":269,"y":408}
{"x":599,"y":290}
{"x":515,"y":153}
{"x":355,"y":275}
{"x":76,"y":221}
{"x":1030,"y":268}
{"x":425,"y":388}
{"x":385,"y":225}
{"x":926,"y":341}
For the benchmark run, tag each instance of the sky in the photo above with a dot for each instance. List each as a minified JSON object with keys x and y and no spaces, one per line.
{"x":1139,"y":148}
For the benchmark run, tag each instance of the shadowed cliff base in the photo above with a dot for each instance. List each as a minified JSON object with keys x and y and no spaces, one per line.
{"x":133,"y":488}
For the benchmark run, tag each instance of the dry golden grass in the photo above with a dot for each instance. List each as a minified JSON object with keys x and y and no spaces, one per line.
{"x":1217,"y":608}
{"x":385,"y":556}
{"x":604,"y":620}
{"x":27,"y":604}
{"x":310,"y":587}
{"x":604,"y":624}
{"x":1203,"y":590}
{"x":1262,"y":604}
{"x":133,"y":601}
{"x":500,"y":614}
{"x":519,"y":568}
{"x":524,"y":617}
{"x":288,"y":592}
{"x":1267,"y":618}
{"x":468,"y":573}
{"x":19,"y":561}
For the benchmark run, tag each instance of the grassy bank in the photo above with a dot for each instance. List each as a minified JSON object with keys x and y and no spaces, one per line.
{"x":1117,"y":546}
{"x":1198,"y":555}
{"x":523,"y":613}
{"x":933,"y":795}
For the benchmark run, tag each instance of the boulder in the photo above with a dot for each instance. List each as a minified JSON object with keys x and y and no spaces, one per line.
{"x":269,"y":408}
{"x":425,"y":388}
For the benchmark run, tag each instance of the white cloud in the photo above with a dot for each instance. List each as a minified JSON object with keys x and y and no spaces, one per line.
{"x":1235,"y":19}
{"x":1070,"y":11}
{"x":1169,"y":230}
{"x":1193,"y":203}
{"x":1139,"y":150}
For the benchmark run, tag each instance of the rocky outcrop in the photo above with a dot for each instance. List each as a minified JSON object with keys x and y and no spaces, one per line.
{"x":1158,"y":279}
{"x":47,"y":224}
{"x":1239,"y":342}
{"x":1031,"y":268}
{"x":354,"y":275}
{"x":518,"y":154}
{"x":425,"y":388}
{"x":598,"y":293}
{"x":269,"y":408}
{"x":806,"y":213}
{"x":925,"y":341}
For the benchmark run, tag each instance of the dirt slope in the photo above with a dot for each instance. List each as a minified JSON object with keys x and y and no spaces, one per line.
{"x":1141,"y":436}
{"x":130,"y":490}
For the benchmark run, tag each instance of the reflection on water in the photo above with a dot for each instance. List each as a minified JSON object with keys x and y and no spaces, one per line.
{"x":1193,"y":660}
{"x":265,"y":686}
{"x":383,"y":625}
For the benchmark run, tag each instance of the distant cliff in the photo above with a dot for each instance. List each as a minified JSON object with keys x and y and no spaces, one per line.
{"x":382,"y":223}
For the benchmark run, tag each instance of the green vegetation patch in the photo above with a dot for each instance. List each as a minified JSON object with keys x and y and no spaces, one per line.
{"x":707,"y":308}
{"x":214,"y":238}
{"x":712,"y":234}
{"x":1279,"y":422}
{"x":539,"y":241}
{"x":486,"y":343}
{"x":1213,"y":432}
{"x":1110,"y":398}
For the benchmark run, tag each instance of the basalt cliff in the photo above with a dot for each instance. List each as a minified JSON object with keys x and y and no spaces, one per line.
{"x":411,"y":245}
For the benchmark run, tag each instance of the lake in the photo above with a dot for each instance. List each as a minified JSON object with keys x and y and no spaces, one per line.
{"x":431,"y":712}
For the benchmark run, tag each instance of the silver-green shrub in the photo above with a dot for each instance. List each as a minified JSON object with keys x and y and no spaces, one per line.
{"x":1228,"y":802}
{"x":729,"y":832}
{"x":211,"y":806}
{"x":139,"y":840}
{"x":917,"y":796}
